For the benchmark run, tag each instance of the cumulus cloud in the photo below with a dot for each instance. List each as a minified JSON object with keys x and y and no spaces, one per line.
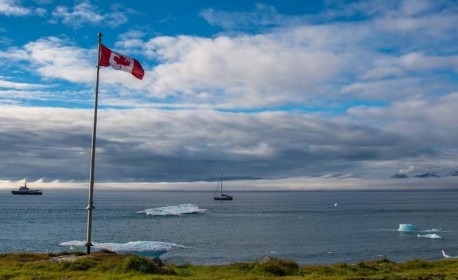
{"x":427,"y":129}
{"x":184,"y":145}
{"x":14,"y":85}
{"x":301,"y":63}
{"x":13,"y":8}
{"x":262,"y":70}
{"x":86,"y":13}
{"x":53,"y":58}
{"x":418,"y":61}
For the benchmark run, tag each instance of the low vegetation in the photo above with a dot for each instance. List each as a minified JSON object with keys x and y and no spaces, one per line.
{"x":107,"y":265}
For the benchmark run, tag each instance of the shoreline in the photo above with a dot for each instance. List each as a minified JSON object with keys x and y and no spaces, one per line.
{"x":109,"y":265}
{"x":169,"y":257}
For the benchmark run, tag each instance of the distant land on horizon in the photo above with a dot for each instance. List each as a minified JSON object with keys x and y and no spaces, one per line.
{"x":428,"y":174}
{"x":337,"y":182}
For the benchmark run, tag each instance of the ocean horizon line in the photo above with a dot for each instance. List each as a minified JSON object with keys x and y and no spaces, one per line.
{"x":283,"y":184}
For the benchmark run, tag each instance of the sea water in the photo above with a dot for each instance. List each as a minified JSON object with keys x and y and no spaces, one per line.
{"x":309,"y":227}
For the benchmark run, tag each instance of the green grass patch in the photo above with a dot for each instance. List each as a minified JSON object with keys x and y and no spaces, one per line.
{"x":139,"y":264}
{"x":106,"y":265}
{"x":276,"y":267}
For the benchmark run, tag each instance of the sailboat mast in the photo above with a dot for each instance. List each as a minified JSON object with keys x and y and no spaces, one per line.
{"x":221,"y":183}
{"x":219,"y":195}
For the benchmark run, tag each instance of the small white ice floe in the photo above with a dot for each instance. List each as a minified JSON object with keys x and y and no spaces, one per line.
{"x":173,"y":210}
{"x":335,"y":204}
{"x":448,"y":256}
{"x":430,"y":235}
{"x":144,"y":248}
{"x":432,"y":230}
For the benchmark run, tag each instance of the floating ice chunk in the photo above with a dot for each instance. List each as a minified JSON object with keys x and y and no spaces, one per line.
{"x":144,"y":248}
{"x":430,"y":235}
{"x":412,"y":228}
{"x":407,"y":228}
{"x":447,"y":256}
{"x":335,"y":204}
{"x":173,"y":210}
{"x":75,"y":245}
{"x":432,"y":230}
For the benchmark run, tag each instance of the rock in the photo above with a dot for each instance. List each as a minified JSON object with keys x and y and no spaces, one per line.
{"x":266,"y":259}
{"x":67,"y":258}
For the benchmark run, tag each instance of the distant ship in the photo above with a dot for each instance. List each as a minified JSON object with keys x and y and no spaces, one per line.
{"x":24,"y":190}
{"x":219,"y":195}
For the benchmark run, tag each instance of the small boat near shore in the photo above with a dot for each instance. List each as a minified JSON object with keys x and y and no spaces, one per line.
{"x":24,"y":190}
{"x":219,"y":195}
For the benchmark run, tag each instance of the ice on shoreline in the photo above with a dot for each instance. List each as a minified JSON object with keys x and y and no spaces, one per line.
{"x":448,"y":256}
{"x":144,"y":248}
{"x":173,"y":210}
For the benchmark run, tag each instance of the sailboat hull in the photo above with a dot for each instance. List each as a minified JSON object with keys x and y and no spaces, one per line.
{"x":223,"y":197}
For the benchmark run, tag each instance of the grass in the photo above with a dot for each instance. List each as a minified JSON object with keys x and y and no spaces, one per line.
{"x":105,"y":265}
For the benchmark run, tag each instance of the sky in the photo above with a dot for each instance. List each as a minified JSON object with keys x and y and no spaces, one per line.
{"x":272,"y":90}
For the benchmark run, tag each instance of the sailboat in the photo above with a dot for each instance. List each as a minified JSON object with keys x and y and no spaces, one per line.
{"x":219,"y":195}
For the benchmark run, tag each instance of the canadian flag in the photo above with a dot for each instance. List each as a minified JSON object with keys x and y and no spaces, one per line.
{"x":120,"y":62}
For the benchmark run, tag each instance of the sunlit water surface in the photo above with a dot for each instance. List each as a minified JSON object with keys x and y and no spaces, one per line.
{"x":308,"y":227}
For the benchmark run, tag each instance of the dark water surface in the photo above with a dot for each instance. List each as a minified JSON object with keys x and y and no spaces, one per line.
{"x":303,"y":226}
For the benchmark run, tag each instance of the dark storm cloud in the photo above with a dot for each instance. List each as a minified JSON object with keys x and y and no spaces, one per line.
{"x":153,"y":145}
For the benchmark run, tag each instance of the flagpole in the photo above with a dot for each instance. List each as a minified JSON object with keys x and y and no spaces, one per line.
{"x":90,"y":205}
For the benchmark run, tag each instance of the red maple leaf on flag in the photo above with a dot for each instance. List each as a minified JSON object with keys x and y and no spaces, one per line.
{"x":121,"y":60}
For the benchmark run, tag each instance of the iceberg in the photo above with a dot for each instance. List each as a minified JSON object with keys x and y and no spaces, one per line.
{"x":407,"y":228}
{"x":430,"y":235}
{"x":144,"y":248}
{"x":448,"y":256}
{"x":173,"y":210}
